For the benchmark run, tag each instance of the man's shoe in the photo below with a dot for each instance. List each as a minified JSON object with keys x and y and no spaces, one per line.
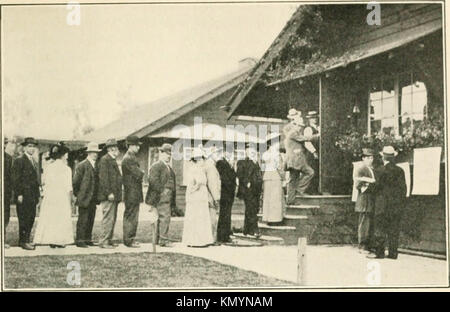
{"x":374,"y":256}
{"x":82,"y":245}
{"x":90,"y":244}
{"x":133,"y":245}
{"x":27,"y":246}
{"x":114,"y":244}
{"x":107,"y":246}
{"x":392,"y":257}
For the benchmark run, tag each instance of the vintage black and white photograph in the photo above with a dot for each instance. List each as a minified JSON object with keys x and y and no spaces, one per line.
{"x":224,"y":145}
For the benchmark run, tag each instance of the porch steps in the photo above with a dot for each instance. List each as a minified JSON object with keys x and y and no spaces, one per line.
{"x":253,"y":241}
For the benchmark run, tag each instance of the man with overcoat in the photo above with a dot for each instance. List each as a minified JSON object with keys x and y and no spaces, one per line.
{"x":227,"y":193}
{"x":27,"y":190}
{"x":389,"y":204}
{"x":161,"y":193}
{"x":300,"y":173}
{"x":85,"y":187}
{"x":7,"y":181}
{"x":132,"y":184}
{"x":109,"y":192}
{"x":250,"y":186}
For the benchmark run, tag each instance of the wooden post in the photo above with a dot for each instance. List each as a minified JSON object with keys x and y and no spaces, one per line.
{"x":154,"y":224}
{"x":301,"y":261}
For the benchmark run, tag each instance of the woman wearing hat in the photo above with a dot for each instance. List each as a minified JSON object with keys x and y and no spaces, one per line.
{"x":55,"y":221}
{"x":197,"y":221}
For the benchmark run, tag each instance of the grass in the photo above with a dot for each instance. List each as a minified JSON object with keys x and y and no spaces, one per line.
{"x":145,"y":270}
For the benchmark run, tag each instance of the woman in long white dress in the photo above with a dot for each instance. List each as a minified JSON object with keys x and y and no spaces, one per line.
{"x":273,"y":195}
{"x":197,"y":221}
{"x":54,"y":226}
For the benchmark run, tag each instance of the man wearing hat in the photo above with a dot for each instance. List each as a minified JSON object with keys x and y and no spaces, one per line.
{"x":300,"y":173}
{"x":389,"y":204}
{"x":26,"y":177}
{"x":161,"y":193}
{"x":312,"y":129}
{"x":364,"y":180}
{"x":85,"y":186}
{"x":7,"y":180}
{"x":132,"y":184}
{"x":109,"y":191}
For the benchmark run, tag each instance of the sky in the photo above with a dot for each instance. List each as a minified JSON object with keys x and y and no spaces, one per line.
{"x":119,"y":56}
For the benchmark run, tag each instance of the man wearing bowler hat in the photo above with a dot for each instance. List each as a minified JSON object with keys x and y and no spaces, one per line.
{"x":364,"y":180}
{"x":26,"y":177}
{"x":132,"y":184}
{"x":161,"y":193}
{"x":389,"y":204}
{"x":109,"y":191}
{"x":85,"y":186}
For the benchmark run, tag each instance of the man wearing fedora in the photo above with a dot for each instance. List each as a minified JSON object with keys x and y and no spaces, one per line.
{"x":132,"y":184}
{"x":26,"y":177}
{"x":389,"y":204}
{"x":7,"y":180}
{"x":300,"y":173}
{"x":364,"y":180}
{"x":161,"y":193}
{"x":85,"y":186}
{"x":109,"y":191}
{"x":312,"y":129}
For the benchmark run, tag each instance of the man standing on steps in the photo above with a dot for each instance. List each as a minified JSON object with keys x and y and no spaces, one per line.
{"x":313,"y":129}
{"x":109,"y":192}
{"x":250,"y":187}
{"x":300,"y":173}
{"x":132,"y":184}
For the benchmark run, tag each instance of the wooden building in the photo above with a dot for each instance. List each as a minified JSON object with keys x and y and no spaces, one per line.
{"x":385,"y":78}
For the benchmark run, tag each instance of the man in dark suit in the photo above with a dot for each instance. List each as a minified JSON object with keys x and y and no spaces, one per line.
{"x":364,"y":180}
{"x":250,"y":187}
{"x":132,"y":184}
{"x":227,"y":192}
{"x":389,"y":204}
{"x":161,"y":193}
{"x":109,"y":191}
{"x":26,"y":177}
{"x":7,"y":181}
{"x":85,"y":186}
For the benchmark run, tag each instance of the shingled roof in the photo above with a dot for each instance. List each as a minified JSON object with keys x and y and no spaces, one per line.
{"x":148,"y":118}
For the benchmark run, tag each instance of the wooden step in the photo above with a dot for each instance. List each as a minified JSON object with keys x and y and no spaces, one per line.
{"x":288,"y":217}
{"x":303,"y":210}
{"x":263,"y":239}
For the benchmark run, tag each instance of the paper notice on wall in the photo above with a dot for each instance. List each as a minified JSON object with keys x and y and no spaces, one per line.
{"x":407,"y":171}
{"x":426,"y":171}
{"x":356,"y":165}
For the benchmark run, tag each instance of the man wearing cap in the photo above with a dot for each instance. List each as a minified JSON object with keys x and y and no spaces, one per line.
{"x":132,"y":184}
{"x":364,"y":180}
{"x":7,"y":180}
{"x":213,"y":185}
{"x":312,"y":129}
{"x":227,"y":192}
{"x":300,"y":173}
{"x":161,"y":193}
{"x":26,"y":177}
{"x":389,"y":204}
{"x":85,"y":186}
{"x":109,"y":192}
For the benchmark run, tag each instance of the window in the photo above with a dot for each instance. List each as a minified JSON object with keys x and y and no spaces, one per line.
{"x":397,"y":104}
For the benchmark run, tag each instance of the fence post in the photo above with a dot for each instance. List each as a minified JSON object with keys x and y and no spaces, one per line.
{"x":301,"y":261}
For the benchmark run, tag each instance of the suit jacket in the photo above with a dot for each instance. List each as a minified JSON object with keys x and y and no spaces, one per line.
{"x":109,"y":179}
{"x":7,"y":177}
{"x":212,"y":181}
{"x":227,"y":179}
{"x":85,"y":184}
{"x":365,"y":201}
{"x":294,"y":144}
{"x":132,"y":179}
{"x":249,"y":172}
{"x":158,"y":177}
{"x":26,"y":179}
{"x":390,"y":189}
